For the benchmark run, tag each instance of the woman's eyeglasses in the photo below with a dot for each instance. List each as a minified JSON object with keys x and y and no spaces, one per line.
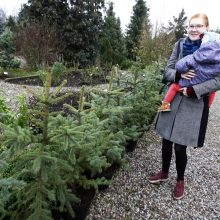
{"x":197,"y":26}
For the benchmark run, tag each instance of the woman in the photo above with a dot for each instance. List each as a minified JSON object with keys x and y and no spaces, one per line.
{"x":205,"y":62}
{"x":186,"y":124}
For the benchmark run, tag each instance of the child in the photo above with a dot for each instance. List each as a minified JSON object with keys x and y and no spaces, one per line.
{"x":205,"y":62}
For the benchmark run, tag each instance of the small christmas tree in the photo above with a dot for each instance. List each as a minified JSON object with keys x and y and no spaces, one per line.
{"x":37,"y":160}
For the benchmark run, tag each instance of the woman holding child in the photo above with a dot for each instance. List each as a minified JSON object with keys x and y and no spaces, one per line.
{"x":186,"y":123}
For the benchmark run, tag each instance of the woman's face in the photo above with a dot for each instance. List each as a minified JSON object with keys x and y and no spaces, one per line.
{"x":196,"y":28}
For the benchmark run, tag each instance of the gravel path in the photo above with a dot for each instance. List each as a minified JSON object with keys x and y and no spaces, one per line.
{"x":131,"y":197}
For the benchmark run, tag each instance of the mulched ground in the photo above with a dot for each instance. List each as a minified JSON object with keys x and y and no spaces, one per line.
{"x":74,"y":79}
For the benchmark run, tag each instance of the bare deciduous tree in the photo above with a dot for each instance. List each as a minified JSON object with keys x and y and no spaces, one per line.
{"x":39,"y":43}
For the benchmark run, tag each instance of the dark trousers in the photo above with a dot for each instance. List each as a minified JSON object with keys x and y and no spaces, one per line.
{"x":181,"y":157}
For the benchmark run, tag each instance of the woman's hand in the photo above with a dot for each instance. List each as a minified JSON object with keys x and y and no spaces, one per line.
{"x":189,"y":75}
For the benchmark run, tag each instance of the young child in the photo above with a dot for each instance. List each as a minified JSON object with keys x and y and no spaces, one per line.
{"x":205,"y":62}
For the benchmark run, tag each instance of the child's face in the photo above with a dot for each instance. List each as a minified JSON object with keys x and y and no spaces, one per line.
{"x":196,"y":28}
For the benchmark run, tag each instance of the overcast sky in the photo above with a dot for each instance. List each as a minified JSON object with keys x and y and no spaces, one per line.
{"x":160,"y":10}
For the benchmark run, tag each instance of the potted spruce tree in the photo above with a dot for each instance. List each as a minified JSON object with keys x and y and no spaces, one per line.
{"x":100,"y":138}
{"x":142,"y":96}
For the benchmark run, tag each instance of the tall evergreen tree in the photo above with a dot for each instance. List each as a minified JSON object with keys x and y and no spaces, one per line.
{"x":145,"y":46}
{"x":139,"y":16}
{"x":11,"y":24}
{"x":83,"y":31}
{"x":178,"y":26}
{"x":216,"y":30}
{"x":54,"y":11}
{"x":2,"y":20}
{"x":113,"y":43}
{"x":23,"y":15}
{"x":7,"y":50}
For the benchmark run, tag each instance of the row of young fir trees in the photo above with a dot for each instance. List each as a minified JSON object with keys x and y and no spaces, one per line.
{"x":86,"y":33}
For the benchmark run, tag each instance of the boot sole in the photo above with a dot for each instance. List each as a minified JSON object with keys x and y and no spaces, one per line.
{"x":157,"y":181}
{"x":178,"y":198}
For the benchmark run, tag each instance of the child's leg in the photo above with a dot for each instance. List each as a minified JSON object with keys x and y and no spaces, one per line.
{"x":173,"y":89}
{"x":211,"y":98}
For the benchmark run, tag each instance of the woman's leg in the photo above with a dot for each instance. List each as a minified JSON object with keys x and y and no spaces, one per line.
{"x":166,"y":158}
{"x":166,"y":154}
{"x":181,"y":160}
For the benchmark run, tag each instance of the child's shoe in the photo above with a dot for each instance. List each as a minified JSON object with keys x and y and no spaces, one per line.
{"x":165,"y":107}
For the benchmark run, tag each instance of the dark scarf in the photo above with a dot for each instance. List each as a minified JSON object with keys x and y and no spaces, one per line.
{"x":190,"y":47}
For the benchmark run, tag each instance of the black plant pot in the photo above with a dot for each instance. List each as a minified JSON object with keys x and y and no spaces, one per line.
{"x":81,"y":210}
{"x":130,"y":146}
{"x":108,"y":174}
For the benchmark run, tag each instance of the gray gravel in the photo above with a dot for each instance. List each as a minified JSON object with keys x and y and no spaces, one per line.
{"x":131,"y":197}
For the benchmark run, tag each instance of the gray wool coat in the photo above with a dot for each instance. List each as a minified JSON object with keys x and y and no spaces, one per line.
{"x":187,"y":122}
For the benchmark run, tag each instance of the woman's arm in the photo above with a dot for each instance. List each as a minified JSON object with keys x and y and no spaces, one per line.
{"x":170,"y":72}
{"x":207,"y":87}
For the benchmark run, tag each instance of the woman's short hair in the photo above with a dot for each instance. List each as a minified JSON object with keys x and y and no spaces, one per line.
{"x":203,"y":16}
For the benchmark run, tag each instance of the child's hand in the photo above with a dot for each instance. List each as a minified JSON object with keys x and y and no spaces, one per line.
{"x":183,"y":91}
{"x":188,"y":91}
{"x":189,"y":75}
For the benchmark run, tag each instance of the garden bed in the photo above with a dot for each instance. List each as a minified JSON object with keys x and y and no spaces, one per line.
{"x":74,"y":79}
